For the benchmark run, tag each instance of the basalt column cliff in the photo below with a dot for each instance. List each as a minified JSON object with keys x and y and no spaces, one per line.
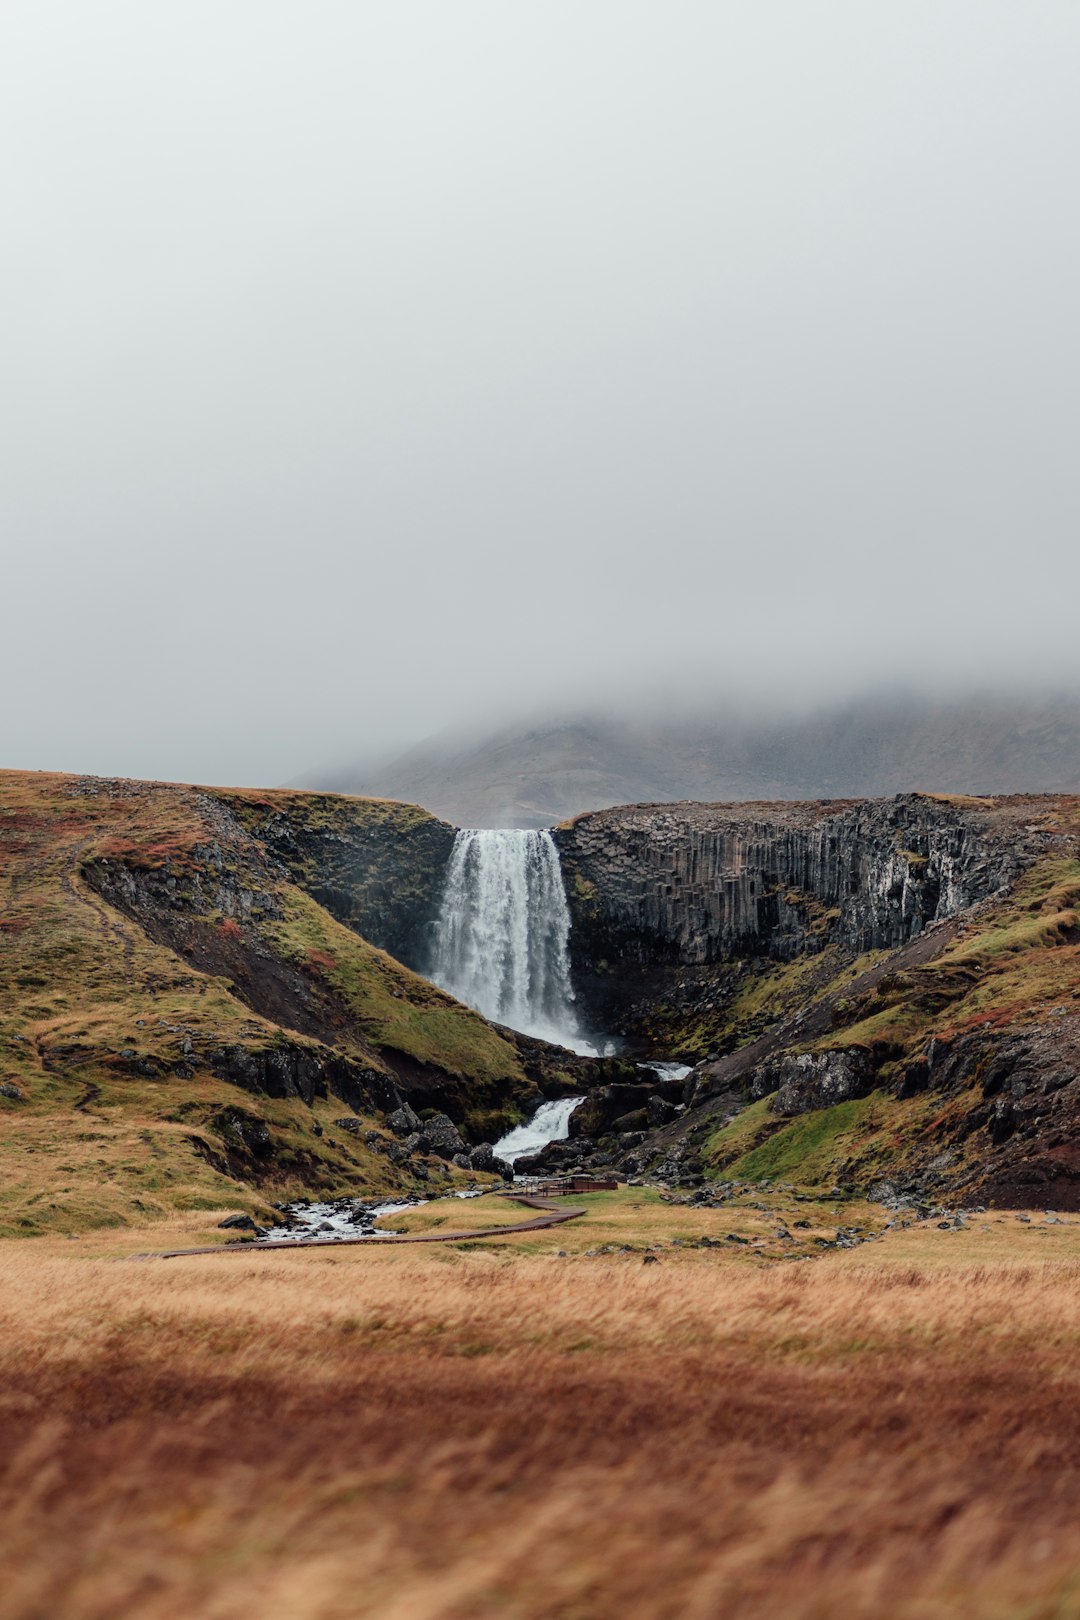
{"x":658,"y":886}
{"x":905,"y":971}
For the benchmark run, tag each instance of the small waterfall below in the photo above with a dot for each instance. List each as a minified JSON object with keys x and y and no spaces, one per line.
{"x":502,"y":934}
{"x":550,"y":1123}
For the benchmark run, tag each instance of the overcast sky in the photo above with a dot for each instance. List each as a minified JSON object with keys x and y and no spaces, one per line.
{"x":367,"y":367}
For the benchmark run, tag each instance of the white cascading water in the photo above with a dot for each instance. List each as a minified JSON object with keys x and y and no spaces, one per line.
{"x":503,"y":931}
{"x":550,"y":1123}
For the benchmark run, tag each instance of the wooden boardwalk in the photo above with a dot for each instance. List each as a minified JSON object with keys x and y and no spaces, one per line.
{"x":552,"y":1215}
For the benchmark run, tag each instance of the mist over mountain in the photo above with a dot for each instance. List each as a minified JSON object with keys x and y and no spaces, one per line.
{"x":539,"y":773}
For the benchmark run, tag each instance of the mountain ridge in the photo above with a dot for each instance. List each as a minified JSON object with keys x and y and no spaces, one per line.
{"x":542,"y":773}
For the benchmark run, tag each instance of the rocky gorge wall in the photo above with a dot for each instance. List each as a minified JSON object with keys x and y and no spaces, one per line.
{"x":695,"y":884}
{"x":377,"y":866}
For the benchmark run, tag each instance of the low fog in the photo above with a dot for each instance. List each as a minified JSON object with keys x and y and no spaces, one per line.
{"x":375,"y":369}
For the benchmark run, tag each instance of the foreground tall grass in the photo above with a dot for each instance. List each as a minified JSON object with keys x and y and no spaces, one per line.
{"x":419,"y":1435}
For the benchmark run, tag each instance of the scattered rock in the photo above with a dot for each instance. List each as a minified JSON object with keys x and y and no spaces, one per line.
{"x":660,"y":1111}
{"x":484,"y":1159}
{"x":403,"y":1121}
{"x":444,"y":1136}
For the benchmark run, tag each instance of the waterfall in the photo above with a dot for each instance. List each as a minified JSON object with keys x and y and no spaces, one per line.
{"x":502,"y":933}
{"x":550,"y":1123}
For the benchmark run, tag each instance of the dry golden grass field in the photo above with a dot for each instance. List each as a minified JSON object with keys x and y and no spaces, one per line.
{"x":528,"y":1430}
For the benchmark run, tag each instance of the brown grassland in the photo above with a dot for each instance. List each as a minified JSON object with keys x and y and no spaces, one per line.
{"x":526,"y":1430}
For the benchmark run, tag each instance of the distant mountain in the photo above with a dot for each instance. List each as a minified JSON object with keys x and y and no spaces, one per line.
{"x":536,"y":775}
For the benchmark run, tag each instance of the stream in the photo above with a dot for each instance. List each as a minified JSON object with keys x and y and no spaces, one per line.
{"x":356,"y":1217}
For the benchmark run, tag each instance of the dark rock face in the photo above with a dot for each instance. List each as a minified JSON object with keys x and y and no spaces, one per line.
{"x":552,"y":1157}
{"x":653,"y":888}
{"x":660,"y":1112}
{"x":382,"y":876}
{"x":288,"y":1070}
{"x":807,"y":1080}
{"x":625,"y":1106}
{"x":172,"y":911}
{"x":696,"y":883}
{"x":1026,"y":1131}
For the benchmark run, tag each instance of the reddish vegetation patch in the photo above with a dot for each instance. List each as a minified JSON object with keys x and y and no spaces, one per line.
{"x":322,"y":961}
{"x":996,"y":1018}
{"x":229,"y":928}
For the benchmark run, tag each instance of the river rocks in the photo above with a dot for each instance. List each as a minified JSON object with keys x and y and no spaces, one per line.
{"x":553,"y":1156}
{"x":631,"y":1123}
{"x":238,"y":1223}
{"x":532,"y":1164}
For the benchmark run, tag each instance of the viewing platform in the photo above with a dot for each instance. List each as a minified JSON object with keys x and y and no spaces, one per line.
{"x":558,"y":1186}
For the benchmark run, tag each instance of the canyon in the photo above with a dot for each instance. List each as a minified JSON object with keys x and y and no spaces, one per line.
{"x":210,"y":989}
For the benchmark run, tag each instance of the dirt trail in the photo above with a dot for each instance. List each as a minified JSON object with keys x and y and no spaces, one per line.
{"x":552,"y":1215}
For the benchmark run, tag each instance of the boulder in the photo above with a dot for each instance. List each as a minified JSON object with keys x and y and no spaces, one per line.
{"x":660,"y":1111}
{"x":636,"y":1121}
{"x":484,"y":1159}
{"x":595,"y":1116}
{"x":807,"y":1080}
{"x":403,"y":1121}
{"x":552,"y":1157}
{"x":444,"y":1136}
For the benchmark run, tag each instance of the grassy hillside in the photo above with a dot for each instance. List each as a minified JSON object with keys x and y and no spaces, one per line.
{"x":970,"y":1060}
{"x":182,"y":1024}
